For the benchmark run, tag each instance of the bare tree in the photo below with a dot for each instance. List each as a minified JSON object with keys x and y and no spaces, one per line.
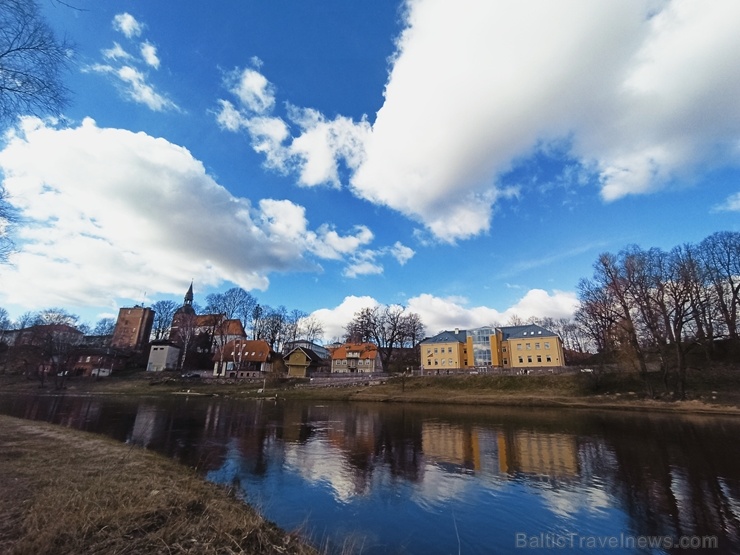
{"x":57,"y":316}
{"x":274,"y":322}
{"x":721,"y":259}
{"x":235,"y":303}
{"x":186,"y":332}
{"x":310,"y":328}
{"x":25,"y":320}
{"x":389,"y":327}
{"x":104,"y":326}
{"x":596,"y":316}
{"x":32,"y":60}
{"x":164,"y":311}
{"x":515,"y":320}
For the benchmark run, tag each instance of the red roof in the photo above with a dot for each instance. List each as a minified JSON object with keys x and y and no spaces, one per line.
{"x":365,"y":350}
{"x":245,"y":350}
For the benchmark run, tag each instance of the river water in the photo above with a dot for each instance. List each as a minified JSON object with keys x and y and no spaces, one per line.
{"x":430,"y":479}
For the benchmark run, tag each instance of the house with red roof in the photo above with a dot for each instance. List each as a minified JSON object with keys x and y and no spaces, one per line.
{"x":356,"y":358}
{"x":243,"y":358}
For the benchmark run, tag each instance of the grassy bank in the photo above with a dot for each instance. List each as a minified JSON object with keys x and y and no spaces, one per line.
{"x":64,"y":491}
{"x":714,"y":389}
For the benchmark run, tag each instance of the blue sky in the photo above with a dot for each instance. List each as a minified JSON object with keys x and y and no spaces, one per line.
{"x":467,"y":159}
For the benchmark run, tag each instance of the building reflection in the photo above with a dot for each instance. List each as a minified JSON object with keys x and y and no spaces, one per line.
{"x":667,"y":475}
{"x":498,"y":452}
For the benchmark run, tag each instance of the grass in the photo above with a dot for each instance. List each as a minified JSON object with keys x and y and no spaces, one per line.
{"x":709,"y":389}
{"x":69,"y":492}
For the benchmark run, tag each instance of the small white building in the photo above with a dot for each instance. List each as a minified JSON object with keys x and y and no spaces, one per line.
{"x":163,"y":356}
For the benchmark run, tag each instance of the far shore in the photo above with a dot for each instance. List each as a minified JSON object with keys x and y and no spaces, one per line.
{"x":714,"y":391}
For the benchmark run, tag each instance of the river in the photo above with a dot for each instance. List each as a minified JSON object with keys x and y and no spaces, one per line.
{"x":431,"y":479}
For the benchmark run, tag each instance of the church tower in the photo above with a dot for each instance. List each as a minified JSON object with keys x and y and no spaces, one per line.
{"x":182,"y":315}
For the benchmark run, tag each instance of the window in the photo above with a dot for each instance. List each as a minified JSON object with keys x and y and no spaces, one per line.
{"x":435,"y":350}
{"x":529,"y":358}
{"x":536,"y":345}
{"x":539,"y":358}
{"x":518,"y":346}
{"x":429,"y":350}
{"x":529,"y":346}
{"x":449,"y":349}
{"x":450,"y":361}
{"x":504,"y":349}
{"x":429,"y":362}
{"x":547,"y":344}
{"x":549,"y":358}
{"x":521,"y":360}
{"x":506,"y":362}
{"x":443,"y":362}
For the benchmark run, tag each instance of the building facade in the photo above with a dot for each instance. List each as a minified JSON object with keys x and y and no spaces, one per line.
{"x":163,"y":356}
{"x":516,"y":347}
{"x":356,"y":358}
{"x":446,"y":350}
{"x":133,"y":328}
{"x":243,"y":358}
{"x":302,"y":362}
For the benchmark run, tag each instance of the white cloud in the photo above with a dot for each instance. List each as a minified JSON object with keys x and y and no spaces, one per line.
{"x":253,"y":90}
{"x":116,"y":52}
{"x":109,"y":212}
{"x":402,"y":253}
{"x":125,"y":68}
{"x":149,"y":54}
{"x":448,"y":313}
{"x":142,"y":92}
{"x":317,"y":150}
{"x":228,"y":117}
{"x":730,"y":204}
{"x":127,"y":24}
{"x":643,"y":91}
{"x":334,"y":319}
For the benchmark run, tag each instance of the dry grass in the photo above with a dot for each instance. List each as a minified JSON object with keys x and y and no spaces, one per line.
{"x":64,"y":491}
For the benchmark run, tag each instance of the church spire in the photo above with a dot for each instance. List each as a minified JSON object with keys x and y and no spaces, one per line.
{"x":189,"y":295}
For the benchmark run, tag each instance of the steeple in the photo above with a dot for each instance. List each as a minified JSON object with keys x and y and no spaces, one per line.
{"x":189,"y":295}
{"x":187,"y":305}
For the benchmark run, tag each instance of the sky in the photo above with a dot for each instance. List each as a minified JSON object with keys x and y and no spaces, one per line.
{"x":468,"y":160}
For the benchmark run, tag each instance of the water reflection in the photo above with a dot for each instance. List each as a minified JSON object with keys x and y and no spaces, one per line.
{"x":440,"y":479}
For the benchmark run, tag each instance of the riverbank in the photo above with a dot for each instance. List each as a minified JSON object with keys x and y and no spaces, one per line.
{"x":68,"y":492}
{"x":711,"y":390}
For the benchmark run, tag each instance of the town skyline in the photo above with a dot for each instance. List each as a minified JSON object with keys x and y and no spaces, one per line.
{"x":400,"y":153}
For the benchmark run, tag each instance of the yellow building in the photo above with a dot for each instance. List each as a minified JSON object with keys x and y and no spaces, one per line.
{"x":528,"y":346}
{"x":445,"y":351}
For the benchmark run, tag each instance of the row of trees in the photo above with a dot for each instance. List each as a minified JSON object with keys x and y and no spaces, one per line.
{"x":665,"y":303}
{"x":49,"y":316}
{"x":275,"y":325}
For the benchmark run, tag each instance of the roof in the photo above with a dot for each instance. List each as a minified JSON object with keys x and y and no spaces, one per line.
{"x":366,"y":350}
{"x":525,"y":332}
{"x":245,"y":350}
{"x":448,"y":337}
{"x":310,"y":355}
{"x":219,"y":324}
